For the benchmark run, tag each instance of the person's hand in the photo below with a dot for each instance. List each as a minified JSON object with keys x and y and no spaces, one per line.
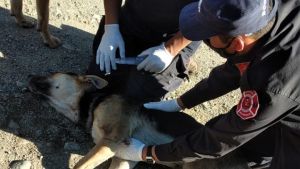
{"x":132,"y":151}
{"x":159,"y":58}
{"x":106,"y":53}
{"x":166,"y":105}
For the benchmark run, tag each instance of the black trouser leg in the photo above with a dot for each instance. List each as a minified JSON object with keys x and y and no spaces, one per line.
{"x":260,"y":150}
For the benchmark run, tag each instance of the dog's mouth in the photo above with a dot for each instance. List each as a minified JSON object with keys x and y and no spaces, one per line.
{"x":39,"y":85}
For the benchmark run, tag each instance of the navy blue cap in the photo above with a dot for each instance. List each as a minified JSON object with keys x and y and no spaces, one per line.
{"x":207,"y":18}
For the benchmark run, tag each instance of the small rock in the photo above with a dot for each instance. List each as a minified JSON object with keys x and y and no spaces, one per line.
{"x":40,"y":157}
{"x":58,"y":13}
{"x":18,"y":95}
{"x":97,"y":17}
{"x":68,"y":46}
{"x":20,"y":84}
{"x":205,"y":105}
{"x":1,"y":108}
{"x":71,"y":146}
{"x":38,"y":133}
{"x":20,"y":164}
{"x":24,"y":142}
{"x":25,"y":89}
{"x":1,"y":55}
{"x":52,"y":129}
{"x":13,"y":125}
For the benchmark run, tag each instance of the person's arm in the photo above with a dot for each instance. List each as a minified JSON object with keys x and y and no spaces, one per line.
{"x":112,"y":8}
{"x":161,"y":56}
{"x":222,"y":79}
{"x":176,"y":44}
{"x":112,"y":38}
{"x":220,"y":135}
{"x":229,"y":131}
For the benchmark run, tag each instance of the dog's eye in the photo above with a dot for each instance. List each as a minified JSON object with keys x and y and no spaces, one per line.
{"x":57,"y":87}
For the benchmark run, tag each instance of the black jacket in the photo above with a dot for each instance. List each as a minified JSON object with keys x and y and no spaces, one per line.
{"x":271,"y":95}
{"x":151,"y":19}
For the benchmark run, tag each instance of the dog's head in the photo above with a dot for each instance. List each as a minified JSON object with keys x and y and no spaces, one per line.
{"x":64,"y":91}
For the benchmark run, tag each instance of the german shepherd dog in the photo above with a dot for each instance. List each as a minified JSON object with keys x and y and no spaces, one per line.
{"x":112,"y":119}
{"x":42,"y":7}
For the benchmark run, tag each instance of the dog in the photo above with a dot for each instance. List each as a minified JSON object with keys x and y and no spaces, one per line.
{"x":113,"y":119}
{"x":42,"y":7}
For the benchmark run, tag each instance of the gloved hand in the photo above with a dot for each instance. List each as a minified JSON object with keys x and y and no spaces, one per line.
{"x":166,"y":105}
{"x":159,"y":58}
{"x":132,"y":152}
{"x":106,"y":52}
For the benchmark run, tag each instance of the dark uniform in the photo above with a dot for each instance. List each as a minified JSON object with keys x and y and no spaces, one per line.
{"x":144,"y":24}
{"x":266,"y":121}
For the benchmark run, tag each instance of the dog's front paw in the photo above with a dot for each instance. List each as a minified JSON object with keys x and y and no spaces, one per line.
{"x":52,"y":42}
{"x":80,"y":165}
{"x":84,"y":164}
{"x":26,"y":24}
{"x":22,"y":22}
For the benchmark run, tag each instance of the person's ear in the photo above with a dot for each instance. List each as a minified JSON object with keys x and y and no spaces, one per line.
{"x":238,"y":43}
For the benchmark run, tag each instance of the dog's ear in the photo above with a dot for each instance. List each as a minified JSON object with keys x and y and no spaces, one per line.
{"x":98,"y":82}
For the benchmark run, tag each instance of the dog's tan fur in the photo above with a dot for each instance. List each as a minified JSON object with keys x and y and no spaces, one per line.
{"x":43,"y":20}
{"x":115,"y":119}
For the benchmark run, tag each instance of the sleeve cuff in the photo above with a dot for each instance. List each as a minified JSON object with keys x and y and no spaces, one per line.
{"x":163,"y":153}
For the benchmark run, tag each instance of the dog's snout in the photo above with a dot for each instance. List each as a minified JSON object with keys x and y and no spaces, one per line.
{"x":39,"y":84}
{"x":42,"y":85}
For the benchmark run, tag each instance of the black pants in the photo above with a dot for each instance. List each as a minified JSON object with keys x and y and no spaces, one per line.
{"x":278,"y":145}
{"x":260,"y":150}
{"x":141,"y":85}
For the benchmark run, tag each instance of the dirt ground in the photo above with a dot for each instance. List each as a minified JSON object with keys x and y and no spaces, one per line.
{"x":30,"y":130}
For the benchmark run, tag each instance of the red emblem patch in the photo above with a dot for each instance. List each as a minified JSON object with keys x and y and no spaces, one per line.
{"x":248,"y":105}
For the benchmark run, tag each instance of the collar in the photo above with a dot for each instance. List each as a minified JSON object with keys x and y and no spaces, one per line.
{"x":87,"y":105}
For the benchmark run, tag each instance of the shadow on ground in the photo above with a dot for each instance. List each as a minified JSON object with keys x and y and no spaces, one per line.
{"x":23,"y":53}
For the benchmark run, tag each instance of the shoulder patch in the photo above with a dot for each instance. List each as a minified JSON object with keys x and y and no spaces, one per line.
{"x":248,"y":105}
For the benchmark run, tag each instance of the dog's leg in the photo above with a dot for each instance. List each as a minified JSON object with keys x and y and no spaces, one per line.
{"x":118,"y":163}
{"x":16,"y":11}
{"x":99,"y":154}
{"x":42,"y":25}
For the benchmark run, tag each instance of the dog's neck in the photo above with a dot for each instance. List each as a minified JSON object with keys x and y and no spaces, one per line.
{"x":87,"y":105}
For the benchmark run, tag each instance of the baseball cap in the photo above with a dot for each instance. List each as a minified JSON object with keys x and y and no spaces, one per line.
{"x":207,"y":18}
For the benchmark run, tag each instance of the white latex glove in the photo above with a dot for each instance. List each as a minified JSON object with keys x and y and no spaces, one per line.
{"x":132,"y":152}
{"x":159,"y":58}
{"x":166,"y":105}
{"x":106,"y":52}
